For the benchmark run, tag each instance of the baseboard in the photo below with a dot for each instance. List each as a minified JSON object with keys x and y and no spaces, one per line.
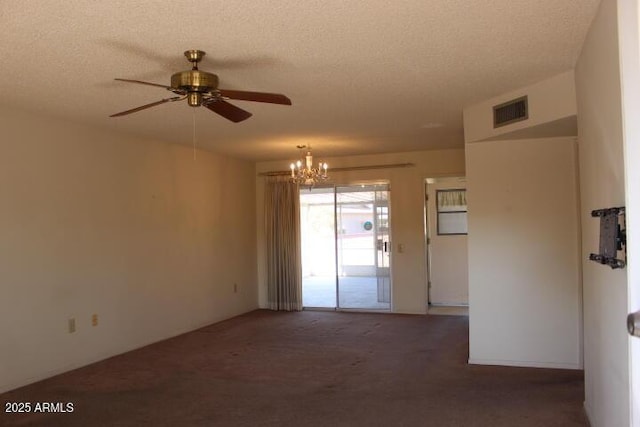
{"x":40,"y":376}
{"x":586,"y":414}
{"x":525,"y":364}
{"x":448,"y":304}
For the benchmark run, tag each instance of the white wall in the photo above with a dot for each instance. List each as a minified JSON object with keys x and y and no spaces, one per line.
{"x":449,"y":272}
{"x":134,"y":231}
{"x":629,"y":37}
{"x":408,"y":270}
{"x":602,"y":185}
{"x":524,"y":285}
{"x":551,"y":103}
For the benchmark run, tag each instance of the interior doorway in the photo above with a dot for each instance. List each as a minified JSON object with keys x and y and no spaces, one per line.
{"x":446,"y":243}
{"x":345,"y":244}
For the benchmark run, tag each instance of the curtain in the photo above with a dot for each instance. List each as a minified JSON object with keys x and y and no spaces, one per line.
{"x":449,"y":198}
{"x":284,"y":269}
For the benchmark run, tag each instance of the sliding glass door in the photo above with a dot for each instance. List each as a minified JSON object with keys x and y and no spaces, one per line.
{"x":358,"y":276}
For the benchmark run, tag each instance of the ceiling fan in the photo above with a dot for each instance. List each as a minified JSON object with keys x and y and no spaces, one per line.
{"x":201,"y":88}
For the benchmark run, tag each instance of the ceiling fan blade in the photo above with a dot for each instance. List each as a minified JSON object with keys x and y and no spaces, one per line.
{"x":241,"y":95}
{"x":144,"y":107}
{"x":145,"y":83}
{"x":228,"y":111}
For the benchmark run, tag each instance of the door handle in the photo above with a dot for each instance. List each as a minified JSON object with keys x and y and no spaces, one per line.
{"x":386,"y":249}
{"x":633,"y":324}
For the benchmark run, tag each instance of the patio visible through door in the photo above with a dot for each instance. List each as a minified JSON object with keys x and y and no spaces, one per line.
{"x":345,"y":247}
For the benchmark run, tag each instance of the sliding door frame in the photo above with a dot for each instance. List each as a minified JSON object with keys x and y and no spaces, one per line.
{"x":334,"y":188}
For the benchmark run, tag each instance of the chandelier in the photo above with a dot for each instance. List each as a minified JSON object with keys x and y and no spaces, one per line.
{"x":303,"y":172}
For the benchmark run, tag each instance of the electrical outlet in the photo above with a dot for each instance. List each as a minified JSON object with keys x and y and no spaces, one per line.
{"x":72,"y":325}
{"x":94,"y":320}
{"x":235,"y":288}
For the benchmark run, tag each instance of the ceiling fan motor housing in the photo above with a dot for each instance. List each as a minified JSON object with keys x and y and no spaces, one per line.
{"x":195,"y":83}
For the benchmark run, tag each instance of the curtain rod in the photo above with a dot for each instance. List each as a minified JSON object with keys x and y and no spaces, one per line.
{"x":345,"y":169}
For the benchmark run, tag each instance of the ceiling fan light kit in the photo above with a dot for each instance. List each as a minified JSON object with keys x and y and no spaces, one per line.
{"x":200,"y":88}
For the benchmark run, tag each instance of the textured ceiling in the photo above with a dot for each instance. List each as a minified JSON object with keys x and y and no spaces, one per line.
{"x":364,"y":77}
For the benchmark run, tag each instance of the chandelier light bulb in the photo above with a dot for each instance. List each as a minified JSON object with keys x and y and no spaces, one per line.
{"x":303,"y":171}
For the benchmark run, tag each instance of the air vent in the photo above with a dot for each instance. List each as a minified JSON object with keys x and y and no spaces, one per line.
{"x":510,"y":112}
